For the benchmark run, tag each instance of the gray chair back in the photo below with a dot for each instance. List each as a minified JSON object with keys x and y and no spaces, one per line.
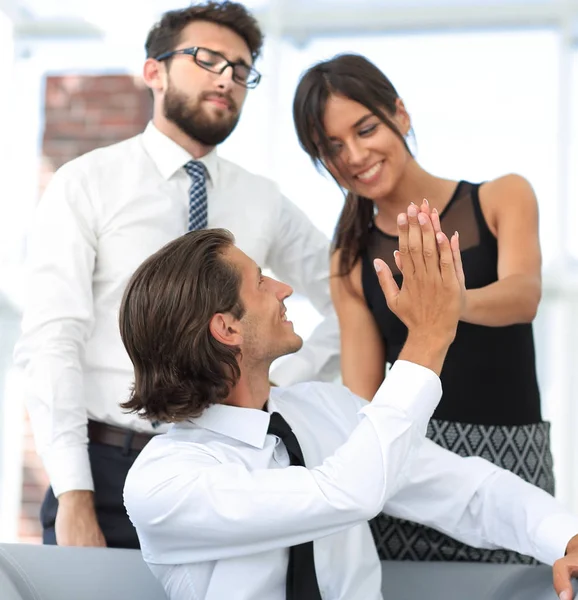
{"x":466,"y":581}
{"x":30,"y":572}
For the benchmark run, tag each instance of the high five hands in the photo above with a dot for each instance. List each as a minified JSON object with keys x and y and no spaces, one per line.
{"x":432,"y":294}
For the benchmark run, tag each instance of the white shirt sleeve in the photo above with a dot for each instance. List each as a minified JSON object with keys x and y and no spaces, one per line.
{"x":58,"y":316}
{"x":187,"y":506}
{"x":300,"y":257}
{"x":478,"y":503}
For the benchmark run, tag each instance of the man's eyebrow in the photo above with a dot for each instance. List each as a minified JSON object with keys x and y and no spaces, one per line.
{"x":238,"y":60}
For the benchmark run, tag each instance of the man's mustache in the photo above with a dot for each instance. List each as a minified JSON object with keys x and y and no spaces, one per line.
{"x":227,"y":97}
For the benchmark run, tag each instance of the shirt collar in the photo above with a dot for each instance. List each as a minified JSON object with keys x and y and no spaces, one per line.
{"x":248,"y":425}
{"x":169,"y":157}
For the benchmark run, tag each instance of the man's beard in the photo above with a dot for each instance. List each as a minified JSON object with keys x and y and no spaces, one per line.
{"x":256,"y":351}
{"x":193,"y":121}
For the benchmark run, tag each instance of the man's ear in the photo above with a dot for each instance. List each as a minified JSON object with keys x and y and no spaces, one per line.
{"x":402,"y":117}
{"x":154,"y":74}
{"x":226,"y":329}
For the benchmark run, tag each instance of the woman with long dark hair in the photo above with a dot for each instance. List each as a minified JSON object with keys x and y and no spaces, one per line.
{"x":350,"y":119}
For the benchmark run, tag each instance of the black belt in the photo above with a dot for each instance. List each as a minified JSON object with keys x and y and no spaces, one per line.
{"x":102,"y":433}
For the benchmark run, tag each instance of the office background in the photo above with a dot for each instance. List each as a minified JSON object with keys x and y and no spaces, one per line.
{"x":492,"y":88}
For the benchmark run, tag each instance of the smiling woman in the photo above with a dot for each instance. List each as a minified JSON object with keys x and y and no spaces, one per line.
{"x":350,"y":118}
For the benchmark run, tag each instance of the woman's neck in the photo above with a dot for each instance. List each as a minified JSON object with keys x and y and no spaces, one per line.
{"x":415,"y":185}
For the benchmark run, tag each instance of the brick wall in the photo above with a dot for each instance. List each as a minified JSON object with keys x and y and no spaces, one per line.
{"x":81,"y":113}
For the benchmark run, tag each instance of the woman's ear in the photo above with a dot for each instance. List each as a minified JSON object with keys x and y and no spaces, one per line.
{"x":402,"y":117}
{"x":226,"y":329}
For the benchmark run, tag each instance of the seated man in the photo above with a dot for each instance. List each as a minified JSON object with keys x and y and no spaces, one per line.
{"x":265,"y":493}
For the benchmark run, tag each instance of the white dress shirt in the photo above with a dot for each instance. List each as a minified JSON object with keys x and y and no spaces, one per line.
{"x":101,"y":216}
{"x":216,"y":504}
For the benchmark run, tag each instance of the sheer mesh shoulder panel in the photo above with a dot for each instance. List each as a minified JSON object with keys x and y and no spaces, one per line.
{"x":459,"y":215}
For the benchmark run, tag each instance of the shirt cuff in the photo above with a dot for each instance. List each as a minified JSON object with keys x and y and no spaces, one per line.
{"x":293,"y":369}
{"x":413,"y":389}
{"x":553,"y":535}
{"x":68,"y":468}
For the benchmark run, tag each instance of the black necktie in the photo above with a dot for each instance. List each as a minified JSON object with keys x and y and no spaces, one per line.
{"x":301,"y":577}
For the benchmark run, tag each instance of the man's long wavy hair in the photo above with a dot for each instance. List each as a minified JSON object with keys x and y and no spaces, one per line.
{"x":179,"y":367}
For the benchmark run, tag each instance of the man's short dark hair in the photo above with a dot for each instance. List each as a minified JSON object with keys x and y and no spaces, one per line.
{"x":165,"y":35}
{"x":179,"y":367}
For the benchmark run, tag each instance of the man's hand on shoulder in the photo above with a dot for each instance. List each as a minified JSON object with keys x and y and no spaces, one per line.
{"x":76,"y":522}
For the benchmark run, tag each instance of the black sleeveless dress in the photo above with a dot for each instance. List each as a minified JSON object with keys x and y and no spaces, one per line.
{"x":491,"y":402}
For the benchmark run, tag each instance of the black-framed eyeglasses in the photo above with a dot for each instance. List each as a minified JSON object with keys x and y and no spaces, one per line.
{"x":215,"y":62}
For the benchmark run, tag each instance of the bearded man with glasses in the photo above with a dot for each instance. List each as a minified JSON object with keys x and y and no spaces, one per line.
{"x":102,"y":215}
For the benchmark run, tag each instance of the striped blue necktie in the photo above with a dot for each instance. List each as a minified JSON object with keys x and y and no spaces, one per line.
{"x":198,"y":210}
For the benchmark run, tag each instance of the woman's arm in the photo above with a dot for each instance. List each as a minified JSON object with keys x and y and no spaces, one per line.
{"x":511,"y":211}
{"x":362,"y":349}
